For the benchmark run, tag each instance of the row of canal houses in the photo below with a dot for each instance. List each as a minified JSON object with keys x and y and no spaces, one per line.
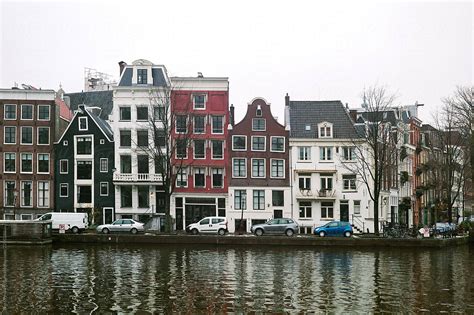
{"x":97,"y":159}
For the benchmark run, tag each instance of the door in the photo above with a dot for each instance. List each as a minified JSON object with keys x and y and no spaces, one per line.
{"x":107,"y":215}
{"x":344,"y":212}
{"x":214,"y":225}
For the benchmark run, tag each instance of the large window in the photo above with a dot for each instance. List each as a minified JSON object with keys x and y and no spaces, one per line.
{"x":258,"y":167}
{"x":43,"y":163}
{"x":199,"y":177}
{"x":278,"y":168}
{"x":27,"y":194}
{"x":143,"y":164}
{"x":9,"y":162}
{"x":84,"y":169}
{"x":239,"y":166}
{"x":258,"y":124}
{"x":325,"y":153}
{"x":304,"y":181}
{"x":126,"y":196}
{"x":142,"y":138}
{"x":356,"y":206}
{"x":349,"y":182}
{"x":304,"y":153}
{"x":26,"y":135}
{"x":84,"y":194}
{"x":43,"y":135}
{"x":305,"y":209}
{"x":43,"y":112}
{"x":218,"y":124}
{"x":9,"y":197}
{"x":143,"y":197}
{"x":259,"y":199}
{"x":84,"y":145}
{"x":239,"y":143}
{"x":125,"y":138}
{"x":125,"y":113}
{"x":26,"y":162}
{"x":327,"y":210}
{"x":240,"y":200}
{"x":199,"y":101}
{"x":142,"y":77}
{"x":126,"y":164}
{"x":159,"y":113}
{"x":181,"y":149}
{"x":63,"y":190}
{"x":181,"y":124}
{"x":258,"y":143}
{"x":217,"y":174}
{"x":182,"y":178}
{"x":199,"y":149}
{"x":27,"y":112}
{"x":43,"y":194}
{"x":348,"y":153}
{"x":10,"y":112}
{"x":10,"y":135}
{"x":199,"y":124}
{"x":278,"y":144}
{"x":326,"y":182}
{"x":142,"y":113}
{"x":278,"y":198}
{"x":217,"y":149}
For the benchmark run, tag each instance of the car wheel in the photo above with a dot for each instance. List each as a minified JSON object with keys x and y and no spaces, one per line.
{"x":347,"y":234}
{"x":194,"y":231}
{"x":134,"y":231}
{"x":289,"y":232}
{"x":322,"y":234}
{"x":105,"y":231}
{"x":259,"y":232}
{"x":75,"y":230}
{"x":221,"y":232}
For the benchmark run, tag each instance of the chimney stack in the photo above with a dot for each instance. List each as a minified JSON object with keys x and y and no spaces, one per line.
{"x":122,"y":65}
{"x":232,"y":118}
{"x":287,"y":100}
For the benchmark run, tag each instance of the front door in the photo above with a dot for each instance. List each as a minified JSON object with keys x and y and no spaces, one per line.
{"x":344,"y":212}
{"x":107,"y":215}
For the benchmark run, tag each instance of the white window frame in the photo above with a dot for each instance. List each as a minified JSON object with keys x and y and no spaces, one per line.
{"x":351,"y":154}
{"x":147,"y":112}
{"x":253,"y":199}
{"x":212,"y":177}
{"x":194,"y":101}
{"x":176,"y":124}
{"x":305,"y":216}
{"x":327,"y":217}
{"x":271,"y":169}
{"x":326,"y":149}
{"x":4,"y":112}
{"x":264,"y":168}
{"x":245,"y":138}
{"x":49,"y":112}
{"x":60,"y":190}
{"x":38,"y":163}
{"x":26,"y":217}
{"x":21,"y":163}
{"x":265,"y":124}
{"x":194,"y":149}
{"x":194,"y":124}
{"x":349,"y":180}
{"x":212,"y":125}
{"x":32,"y":135}
{"x":5,"y":135}
{"x":222,"y":148}
{"x":5,"y":195}
{"x":204,"y":171}
{"x":120,"y":113}
{"x":327,"y":126}
{"x":81,"y":120}
{"x":271,"y":143}
{"x":5,"y":160}
{"x":245,"y":167}
{"x":106,"y":164}
{"x":244,"y":204}
{"x":306,"y":154}
{"x":67,"y":166}
{"x":21,"y":194}
{"x":38,"y":133}
{"x":326,"y":178}
{"x":305,"y":182}
{"x":264,"y":143}
{"x":181,"y":172}
{"x":100,"y":188}
{"x":356,"y":207}
{"x":32,"y":112}
{"x":48,"y":195}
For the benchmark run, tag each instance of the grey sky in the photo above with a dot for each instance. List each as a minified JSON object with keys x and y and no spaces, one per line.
{"x":312,"y":50}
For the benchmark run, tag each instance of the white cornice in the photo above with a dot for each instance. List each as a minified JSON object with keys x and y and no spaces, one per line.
{"x":40,"y":95}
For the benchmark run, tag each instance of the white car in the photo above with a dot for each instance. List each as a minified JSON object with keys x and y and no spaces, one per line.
{"x":121,"y":225}
{"x":209,"y":225}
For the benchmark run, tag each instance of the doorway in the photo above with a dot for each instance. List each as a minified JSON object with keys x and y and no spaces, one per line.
{"x":107,"y":215}
{"x":344,"y":211}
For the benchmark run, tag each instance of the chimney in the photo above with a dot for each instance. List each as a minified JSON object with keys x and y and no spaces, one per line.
{"x":232,"y":118}
{"x":287,"y":100}
{"x":122,"y":65}
{"x":353,"y":114}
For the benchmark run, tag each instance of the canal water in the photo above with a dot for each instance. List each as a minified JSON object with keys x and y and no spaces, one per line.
{"x":188,"y":279}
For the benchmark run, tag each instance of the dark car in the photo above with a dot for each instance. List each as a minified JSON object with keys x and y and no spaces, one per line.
{"x":334,"y":228}
{"x":289,"y":227}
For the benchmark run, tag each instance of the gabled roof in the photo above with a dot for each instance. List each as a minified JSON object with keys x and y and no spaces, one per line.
{"x":102,"y":99}
{"x":303,"y":113}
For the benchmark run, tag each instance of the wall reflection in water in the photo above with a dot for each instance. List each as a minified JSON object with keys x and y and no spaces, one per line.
{"x":179,"y":279}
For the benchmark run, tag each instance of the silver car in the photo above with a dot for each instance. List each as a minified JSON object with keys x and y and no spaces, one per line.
{"x":276,"y":226}
{"x":121,"y":225}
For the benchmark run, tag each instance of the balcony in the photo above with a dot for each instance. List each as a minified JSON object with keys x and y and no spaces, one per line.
{"x":137,"y":177}
{"x":307,"y":194}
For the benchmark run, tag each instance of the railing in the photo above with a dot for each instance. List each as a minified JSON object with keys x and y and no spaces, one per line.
{"x":326,"y":193}
{"x":137,"y":177}
{"x":358,"y":223}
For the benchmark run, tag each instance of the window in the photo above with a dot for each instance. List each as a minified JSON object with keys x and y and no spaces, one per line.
{"x":159,"y":113}
{"x":126,"y":196}
{"x":348,"y":154}
{"x":26,"y":163}
{"x":142,"y":113}
{"x":27,"y":112}
{"x":182,"y":178}
{"x":259,"y":200}
{"x":9,"y":163}
{"x":26,"y":135}
{"x":10,"y":112}
{"x":143,"y":166}
{"x":10,"y":135}
{"x":181,"y":149}
{"x":142,"y":138}
{"x":43,"y":163}
{"x":327,"y":210}
{"x":305,"y":209}
{"x":143,"y":197}
{"x":240,"y":200}
{"x":43,"y":135}
{"x":142,"y":76}
{"x":27,"y":194}
{"x":356,"y":206}
{"x":199,"y":149}
{"x":84,"y":194}
{"x":278,"y":144}
{"x":84,"y":169}
{"x":349,"y":182}
{"x":278,"y":168}
{"x":239,"y":143}
{"x":258,"y":167}
{"x":84,"y":145}
{"x":63,"y":190}
{"x":104,"y":165}
{"x":65,"y":143}
{"x":217,"y":149}
{"x":43,"y":194}
{"x":258,"y":112}
{"x":325,"y":131}
{"x":9,"y":197}
{"x":125,"y":138}
{"x":217,"y":124}
{"x":43,"y":112}
{"x":199,"y":177}
{"x":304,"y":153}
{"x":217,"y":177}
{"x":82,"y":123}
{"x":278,"y":198}
{"x":199,"y":101}
{"x":199,"y":124}
{"x":239,"y":167}
{"x":125,"y":114}
{"x":304,"y":181}
{"x":181,"y":124}
{"x":326,"y":182}
{"x":63,"y":166}
{"x":258,"y":124}
{"x":325,"y":153}
{"x":126,"y":164}
{"x":258,"y":143}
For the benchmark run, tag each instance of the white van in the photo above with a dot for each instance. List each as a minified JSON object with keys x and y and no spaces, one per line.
{"x":209,"y":225}
{"x":72,"y":221}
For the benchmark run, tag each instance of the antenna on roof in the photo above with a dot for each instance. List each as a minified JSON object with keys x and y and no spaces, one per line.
{"x":200,"y":75}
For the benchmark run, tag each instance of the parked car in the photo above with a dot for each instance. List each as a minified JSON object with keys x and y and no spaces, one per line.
{"x":209,"y":225}
{"x":122,"y":225}
{"x":276,"y":226}
{"x":70,"y":221}
{"x":334,"y":228}
{"x":444,"y":229}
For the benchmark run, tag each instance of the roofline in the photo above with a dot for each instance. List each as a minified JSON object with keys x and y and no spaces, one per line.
{"x":200,"y":79}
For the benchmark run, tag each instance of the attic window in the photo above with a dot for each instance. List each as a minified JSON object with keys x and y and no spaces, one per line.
{"x":307,"y":127}
{"x":82,"y":123}
{"x":259,"y":111}
{"x":142,"y":76}
{"x":325,"y":130}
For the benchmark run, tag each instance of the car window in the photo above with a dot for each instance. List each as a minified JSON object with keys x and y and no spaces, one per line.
{"x":272,"y":222}
{"x":283,"y":221}
{"x":332,"y":224}
{"x":204,"y":221}
{"x":127,"y":222}
{"x":46,"y":217}
{"x":291,"y":221}
{"x":118,"y":222}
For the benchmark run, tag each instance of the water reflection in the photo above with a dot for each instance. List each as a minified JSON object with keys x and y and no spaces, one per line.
{"x":182,"y":279}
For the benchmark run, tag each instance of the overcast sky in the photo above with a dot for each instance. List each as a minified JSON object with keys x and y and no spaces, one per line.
{"x":312,"y":50}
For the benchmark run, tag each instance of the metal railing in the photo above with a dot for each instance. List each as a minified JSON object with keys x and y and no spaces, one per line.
{"x":137,"y":177}
{"x":358,"y":223}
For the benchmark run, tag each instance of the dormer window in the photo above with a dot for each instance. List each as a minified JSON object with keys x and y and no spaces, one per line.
{"x":325,"y":130}
{"x":259,"y":111}
{"x":142,"y":76}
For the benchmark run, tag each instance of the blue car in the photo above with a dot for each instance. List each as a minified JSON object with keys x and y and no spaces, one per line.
{"x":334,"y":228}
